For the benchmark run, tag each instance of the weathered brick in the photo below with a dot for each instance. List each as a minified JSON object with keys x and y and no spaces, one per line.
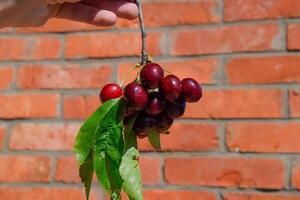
{"x":293,"y":40}
{"x":294,"y":101}
{"x":263,"y":137}
{"x":260,"y":196}
{"x":263,"y":70}
{"x":45,"y":193}
{"x":226,"y":39}
{"x":187,"y":137}
{"x":203,"y":70}
{"x":6,"y":77}
{"x":255,"y":103}
{"x":236,"y":10}
{"x":226,"y":172}
{"x":38,"y":47}
{"x":178,"y":195}
{"x":40,"y":76}
{"x":296,"y":175}
{"x":80,"y":107}
{"x":24,"y":169}
{"x":43,"y":136}
{"x":101,"y":45}
{"x":2,"y":135}
{"x":28,"y":106}
{"x":191,"y":12}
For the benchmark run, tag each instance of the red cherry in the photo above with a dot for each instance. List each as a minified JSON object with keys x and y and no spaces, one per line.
{"x":163,"y":122}
{"x":144,"y":123}
{"x":110,"y":91}
{"x":151,"y":75}
{"x":136,"y":96}
{"x":155,"y":104}
{"x":191,"y":90}
{"x":175,"y":109}
{"x":171,"y":87}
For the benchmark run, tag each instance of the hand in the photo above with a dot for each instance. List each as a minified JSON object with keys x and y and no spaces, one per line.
{"x":26,"y":13}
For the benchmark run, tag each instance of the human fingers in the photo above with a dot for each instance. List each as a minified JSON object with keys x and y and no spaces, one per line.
{"x":121,"y":8}
{"x":84,"y":13}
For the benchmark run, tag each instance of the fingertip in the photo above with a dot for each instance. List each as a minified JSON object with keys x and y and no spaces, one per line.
{"x":129,"y":10}
{"x":105,"y":18}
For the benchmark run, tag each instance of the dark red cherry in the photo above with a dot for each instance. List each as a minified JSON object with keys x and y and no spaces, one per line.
{"x":191,"y":90}
{"x":171,"y":87}
{"x":175,"y":109}
{"x":144,"y":123}
{"x":155,"y":104}
{"x":163,"y":122}
{"x":151,"y":75}
{"x":136,"y":96}
{"x":110,"y":91}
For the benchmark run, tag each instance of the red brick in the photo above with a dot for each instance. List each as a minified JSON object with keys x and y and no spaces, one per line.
{"x":226,"y":172}
{"x":41,"y":76}
{"x":38,"y":47}
{"x":296,"y":175}
{"x":272,"y":69}
{"x":46,"y":193}
{"x":24,"y":169}
{"x":227,"y":39}
{"x":6,"y":77}
{"x":101,"y":45}
{"x":43,"y":136}
{"x":28,"y":106}
{"x":187,"y":137}
{"x":293,"y":40}
{"x":264,"y":137}
{"x":67,"y":170}
{"x":255,"y":103}
{"x":2,"y":134}
{"x":203,"y":70}
{"x":258,"y":196}
{"x":80,"y":107}
{"x":162,"y":13}
{"x":150,"y":170}
{"x":178,"y":195}
{"x":260,"y":9}
{"x":294,"y":101}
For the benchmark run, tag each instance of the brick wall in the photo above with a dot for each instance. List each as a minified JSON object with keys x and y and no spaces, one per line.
{"x":239,"y":143}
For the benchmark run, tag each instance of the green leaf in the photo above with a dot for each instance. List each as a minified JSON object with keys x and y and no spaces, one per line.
{"x":154,"y":139}
{"x":129,"y":168}
{"x":130,"y":173}
{"x":109,"y":146}
{"x":85,"y":139}
{"x":86,"y":171}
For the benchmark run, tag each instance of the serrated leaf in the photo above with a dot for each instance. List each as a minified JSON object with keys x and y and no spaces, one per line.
{"x":129,"y":169}
{"x":154,"y":139}
{"x":86,"y":171}
{"x":85,"y":139}
{"x":109,"y":147}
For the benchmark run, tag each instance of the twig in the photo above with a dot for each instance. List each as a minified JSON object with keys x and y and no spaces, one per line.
{"x":143,"y":32}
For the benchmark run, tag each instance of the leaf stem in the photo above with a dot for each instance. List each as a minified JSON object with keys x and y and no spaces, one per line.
{"x":144,"y":53}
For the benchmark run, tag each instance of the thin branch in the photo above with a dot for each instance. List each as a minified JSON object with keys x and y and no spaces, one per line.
{"x":144,"y":57}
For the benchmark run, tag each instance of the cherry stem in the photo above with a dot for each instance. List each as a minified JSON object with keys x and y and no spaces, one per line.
{"x":143,"y":32}
{"x":128,"y":73}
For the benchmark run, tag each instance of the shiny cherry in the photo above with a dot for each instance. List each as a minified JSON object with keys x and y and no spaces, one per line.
{"x":151,"y":75}
{"x":175,"y":109}
{"x":171,"y":87}
{"x":144,"y":123}
{"x":155,"y":104}
{"x":163,"y":122}
{"x":110,"y":91}
{"x":136,"y":96}
{"x":191,"y":90}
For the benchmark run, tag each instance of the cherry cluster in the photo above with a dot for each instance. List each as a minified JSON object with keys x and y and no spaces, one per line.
{"x":159,"y":99}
